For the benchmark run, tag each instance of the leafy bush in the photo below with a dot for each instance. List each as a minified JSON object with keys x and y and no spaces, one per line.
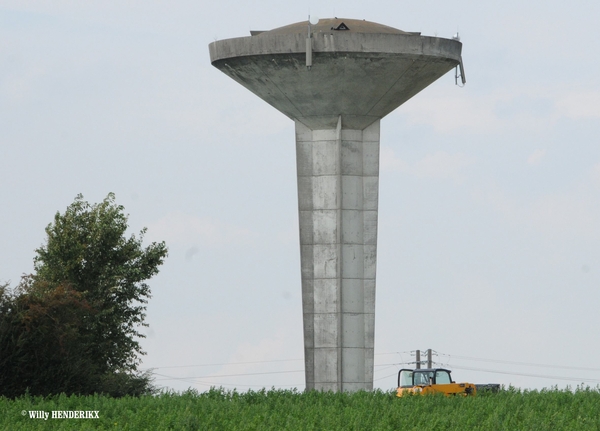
{"x":72,"y":326}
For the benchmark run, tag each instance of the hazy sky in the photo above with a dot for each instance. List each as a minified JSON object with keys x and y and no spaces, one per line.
{"x":489,"y":216}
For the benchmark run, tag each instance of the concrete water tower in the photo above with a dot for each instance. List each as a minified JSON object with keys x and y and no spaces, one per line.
{"x":336,"y":79}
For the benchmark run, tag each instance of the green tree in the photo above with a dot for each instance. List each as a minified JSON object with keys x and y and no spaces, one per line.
{"x":86,"y":247}
{"x":76,"y":319}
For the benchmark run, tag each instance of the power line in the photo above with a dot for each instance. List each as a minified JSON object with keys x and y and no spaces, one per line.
{"x":528,"y":364}
{"x":407,"y":352}
{"x":222,"y":364}
{"x":213,"y":384}
{"x":226,"y":375}
{"x":516,"y":373}
{"x":385,"y":377}
{"x":189,"y":379}
{"x":573,"y":379}
{"x":387,"y":365}
{"x":247,"y":362}
{"x":386,"y":368}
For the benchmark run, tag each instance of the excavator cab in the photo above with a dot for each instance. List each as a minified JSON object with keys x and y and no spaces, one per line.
{"x":431,"y":380}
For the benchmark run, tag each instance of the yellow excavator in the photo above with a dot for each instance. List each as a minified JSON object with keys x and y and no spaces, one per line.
{"x":431,"y":381}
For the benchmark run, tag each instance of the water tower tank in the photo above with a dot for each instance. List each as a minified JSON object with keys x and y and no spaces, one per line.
{"x":337,"y":79}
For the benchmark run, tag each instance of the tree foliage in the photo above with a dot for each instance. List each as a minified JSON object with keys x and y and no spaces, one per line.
{"x":41,"y":340}
{"x":73,"y":325}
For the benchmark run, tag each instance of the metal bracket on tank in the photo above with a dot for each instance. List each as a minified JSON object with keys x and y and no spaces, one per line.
{"x":462,"y":77}
{"x":456,"y":37}
{"x":308,"y":48}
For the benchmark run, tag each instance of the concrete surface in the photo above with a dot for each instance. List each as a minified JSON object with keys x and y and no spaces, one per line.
{"x":337,"y":199}
{"x":357,"y":76}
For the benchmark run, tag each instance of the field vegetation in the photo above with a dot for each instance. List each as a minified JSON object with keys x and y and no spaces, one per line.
{"x":218,"y":409}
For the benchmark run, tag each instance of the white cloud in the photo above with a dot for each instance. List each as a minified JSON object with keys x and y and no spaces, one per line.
{"x":595,"y":175}
{"x":278,"y":354}
{"x":536,"y":157}
{"x":266,"y":349}
{"x":442,"y":165}
{"x":389,"y":161}
{"x":450,"y":111}
{"x":571,"y":213}
{"x":290,"y":234}
{"x":177,"y":227}
{"x":579,"y":104}
{"x":567,"y":213}
{"x":439,"y":165}
{"x":525,"y":108}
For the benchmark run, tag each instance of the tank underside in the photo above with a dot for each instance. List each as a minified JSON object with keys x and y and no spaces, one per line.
{"x":361,"y":76}
{"x":363,"y":87}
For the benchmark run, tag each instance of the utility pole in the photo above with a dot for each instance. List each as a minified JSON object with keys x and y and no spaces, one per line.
{"x":418,"y":361}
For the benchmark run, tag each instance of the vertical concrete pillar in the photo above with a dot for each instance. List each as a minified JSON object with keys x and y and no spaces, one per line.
{"x":338,"y":178}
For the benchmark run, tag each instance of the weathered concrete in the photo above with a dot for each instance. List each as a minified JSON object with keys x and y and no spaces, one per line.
{"x":337,"y":198}
{"x":362,"y":76}
{"x":357,"y":76}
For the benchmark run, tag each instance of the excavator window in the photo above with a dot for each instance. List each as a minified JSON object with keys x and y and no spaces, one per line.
{"x":405,"y":379}
{"x":442,"y":377}
{"x":423,"y":378}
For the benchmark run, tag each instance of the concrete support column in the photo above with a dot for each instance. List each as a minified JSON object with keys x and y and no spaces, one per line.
{"x":338,"y":181}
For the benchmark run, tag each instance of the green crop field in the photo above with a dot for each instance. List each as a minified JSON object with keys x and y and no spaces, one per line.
{"x":218,"y":409}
